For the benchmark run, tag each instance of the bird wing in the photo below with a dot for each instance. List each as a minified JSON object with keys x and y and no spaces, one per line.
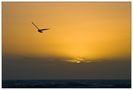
{"x":44,"y":29}
{"x":35,"y":25}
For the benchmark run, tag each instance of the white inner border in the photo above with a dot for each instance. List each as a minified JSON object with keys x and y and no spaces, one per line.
{"x":61,"y":1}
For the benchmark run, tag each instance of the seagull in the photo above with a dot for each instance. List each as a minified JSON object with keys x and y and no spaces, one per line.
{"x":40,"y":30}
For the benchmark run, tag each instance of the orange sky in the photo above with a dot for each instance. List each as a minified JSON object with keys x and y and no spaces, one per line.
{"x":90,"y":30}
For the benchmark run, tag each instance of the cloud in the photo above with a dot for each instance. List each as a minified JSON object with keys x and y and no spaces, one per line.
{"x":20,"y":67}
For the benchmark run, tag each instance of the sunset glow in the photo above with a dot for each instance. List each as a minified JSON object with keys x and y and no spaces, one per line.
{"x":66,"y":44}
{"x":89,"y":30}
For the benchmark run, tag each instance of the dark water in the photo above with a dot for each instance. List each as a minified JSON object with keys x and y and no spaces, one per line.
{"x":66,"y":84}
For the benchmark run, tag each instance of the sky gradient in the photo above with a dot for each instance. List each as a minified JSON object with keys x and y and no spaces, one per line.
{"x":79,"y":32}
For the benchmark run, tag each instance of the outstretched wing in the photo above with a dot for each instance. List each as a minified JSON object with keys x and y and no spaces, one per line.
{"x":35,"y":25}
{"x":44,"y":29}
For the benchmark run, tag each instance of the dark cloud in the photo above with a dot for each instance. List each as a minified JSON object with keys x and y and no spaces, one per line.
{"x":22,"y":67}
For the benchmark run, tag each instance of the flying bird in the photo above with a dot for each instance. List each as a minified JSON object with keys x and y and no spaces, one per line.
{"x":40,"y":30}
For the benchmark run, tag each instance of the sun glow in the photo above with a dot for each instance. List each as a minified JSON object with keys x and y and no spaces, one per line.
{"x":78,"y":60}
{"x":73,"y":61}
{"x":89,"y":30}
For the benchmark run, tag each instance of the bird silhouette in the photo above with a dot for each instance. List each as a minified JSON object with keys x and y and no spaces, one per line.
{"x":40,"y":30}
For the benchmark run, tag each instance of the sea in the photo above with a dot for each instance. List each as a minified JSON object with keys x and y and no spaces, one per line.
{"x":66,"y":83}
